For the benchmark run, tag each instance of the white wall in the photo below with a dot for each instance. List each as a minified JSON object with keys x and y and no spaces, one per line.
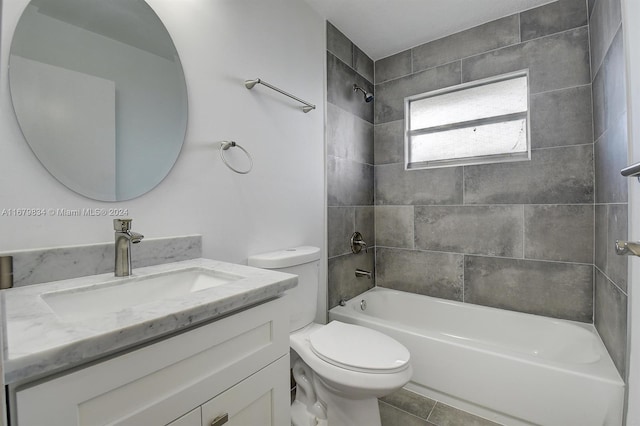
{"x":630,"y":17}
{"x":221,"y":43}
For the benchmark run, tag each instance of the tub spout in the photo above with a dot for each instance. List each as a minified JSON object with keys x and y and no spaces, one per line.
{"x":363,"y":273}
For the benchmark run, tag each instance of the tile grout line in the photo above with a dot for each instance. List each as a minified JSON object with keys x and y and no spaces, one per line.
{"x":413,"y":237}
{"x":459,"y":410}
{"x":544,"y":148}
{"x":561,"y":262}
{"x":611,"y":281}
{"x":593,"y":171}
{"x":413,"y":71}
{"x":464,"y":257}
{"x":404,"y":411}
{"x":593,"y":284}
{"x":411,"y":58}
{"x":471,"y":206}
{"x":351,"y":67}
{"x":593,"y":137}
{"x":464,"y":168}
{"x":464,"y":282}
{"x":606,"y":52}
{"x":520,"y":27}
{"x":577,"y":86}
{"x":431,"y":412}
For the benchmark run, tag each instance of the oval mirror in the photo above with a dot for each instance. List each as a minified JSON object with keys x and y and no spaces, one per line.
{"x":99,"y":93}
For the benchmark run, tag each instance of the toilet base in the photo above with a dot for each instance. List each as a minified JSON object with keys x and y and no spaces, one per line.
{"x":301,"y":417}
{"x":344,"y":411}
{"x":318,"y":404}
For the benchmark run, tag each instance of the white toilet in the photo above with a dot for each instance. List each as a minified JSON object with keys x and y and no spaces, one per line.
{"x":340,"y":369}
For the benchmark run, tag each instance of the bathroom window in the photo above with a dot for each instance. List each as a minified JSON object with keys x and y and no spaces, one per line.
{"x":484,"y":121}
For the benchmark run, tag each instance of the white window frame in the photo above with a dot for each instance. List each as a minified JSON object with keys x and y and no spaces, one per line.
{"x":466,"y":161}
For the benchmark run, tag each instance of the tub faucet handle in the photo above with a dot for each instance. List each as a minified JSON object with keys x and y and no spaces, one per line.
{"x":357,"y":243}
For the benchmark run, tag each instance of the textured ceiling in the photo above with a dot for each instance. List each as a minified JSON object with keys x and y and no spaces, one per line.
{"x":384,"y":27}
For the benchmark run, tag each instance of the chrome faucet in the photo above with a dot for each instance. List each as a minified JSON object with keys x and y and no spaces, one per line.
{"x":124,"y":238}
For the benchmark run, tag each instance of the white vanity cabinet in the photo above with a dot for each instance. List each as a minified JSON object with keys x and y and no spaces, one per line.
{"x":236,"y":366}
{"x":192,"y":418}
{"x":254,"y":401}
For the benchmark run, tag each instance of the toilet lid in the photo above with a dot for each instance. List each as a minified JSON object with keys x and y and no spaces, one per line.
{"x":358,"y":348}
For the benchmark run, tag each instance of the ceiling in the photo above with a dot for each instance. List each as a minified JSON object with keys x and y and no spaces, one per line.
{"x":384,"y":27}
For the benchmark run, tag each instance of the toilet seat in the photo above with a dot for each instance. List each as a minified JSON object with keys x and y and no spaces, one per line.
{"x":357,"y":348}
{"x":346,"y":381}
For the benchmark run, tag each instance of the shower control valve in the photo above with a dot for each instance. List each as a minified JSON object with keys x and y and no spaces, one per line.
{"x":357,"y":243}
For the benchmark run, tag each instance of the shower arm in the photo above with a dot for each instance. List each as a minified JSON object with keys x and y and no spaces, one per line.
{"x":368,"y":97}
{"x":356,"y":88}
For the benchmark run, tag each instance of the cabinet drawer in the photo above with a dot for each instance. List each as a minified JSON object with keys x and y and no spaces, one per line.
{"x":262,"y":399}
{"x":158,"y":383}
{"x":192,"y":418}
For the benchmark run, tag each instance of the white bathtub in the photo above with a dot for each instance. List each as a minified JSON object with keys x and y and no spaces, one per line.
{"x":513,"y":368}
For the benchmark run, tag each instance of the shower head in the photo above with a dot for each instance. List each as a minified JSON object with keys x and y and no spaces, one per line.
{"x":368,"y":97}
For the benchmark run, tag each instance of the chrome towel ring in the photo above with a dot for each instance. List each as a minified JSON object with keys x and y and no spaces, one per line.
{"x":225,"y":145}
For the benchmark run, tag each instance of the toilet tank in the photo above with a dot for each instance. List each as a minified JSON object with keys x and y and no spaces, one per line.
{"x":305,"y":263}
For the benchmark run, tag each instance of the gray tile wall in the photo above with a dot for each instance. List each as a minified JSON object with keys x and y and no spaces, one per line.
{"x":519,"y":235}
{"x":528,"y":236}
{"x":610,"y":155}
{"x":531,"y":236}
{"x":350,"y":168}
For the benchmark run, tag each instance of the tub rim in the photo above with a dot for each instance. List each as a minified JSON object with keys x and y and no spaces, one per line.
{"x":602,"y":369}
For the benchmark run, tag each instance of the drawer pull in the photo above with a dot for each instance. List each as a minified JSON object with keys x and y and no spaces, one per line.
{"x":220,"y":420}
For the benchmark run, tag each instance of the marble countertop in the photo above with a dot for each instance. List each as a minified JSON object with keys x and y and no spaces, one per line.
{"x":37,"y":342}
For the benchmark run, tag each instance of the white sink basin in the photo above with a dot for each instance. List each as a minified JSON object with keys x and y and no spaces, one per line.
{"x":119,"y":294}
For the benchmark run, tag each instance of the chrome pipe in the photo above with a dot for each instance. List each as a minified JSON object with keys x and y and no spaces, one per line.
{"x":6,"y":272}
{"x":250,"y":84}
{"x":624,"y":248}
